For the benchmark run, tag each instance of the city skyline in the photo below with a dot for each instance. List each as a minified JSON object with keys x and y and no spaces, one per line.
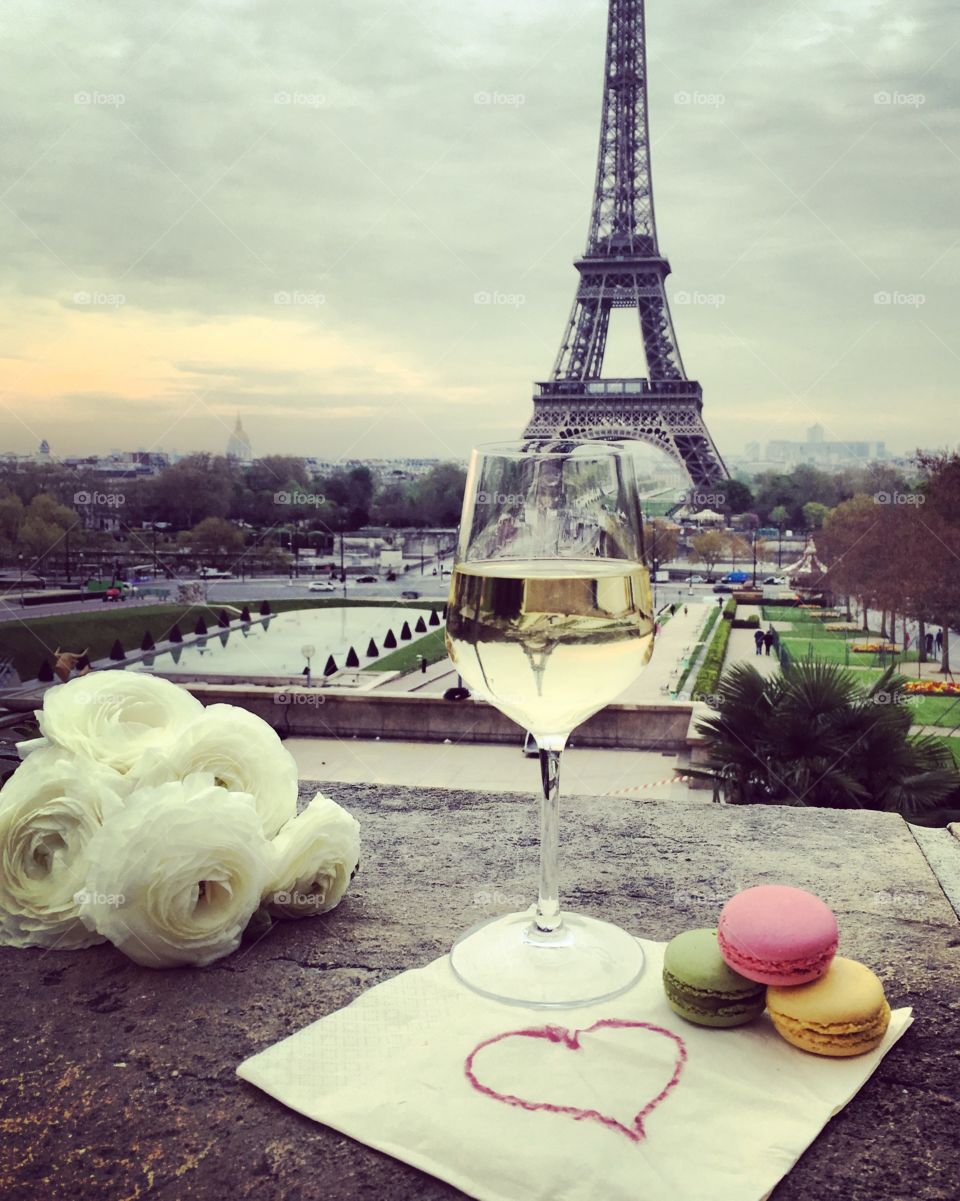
{"x":368,"y":254}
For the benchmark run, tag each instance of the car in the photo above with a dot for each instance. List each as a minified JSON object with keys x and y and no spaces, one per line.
{"x":775,"y":579}
{"x":722,"y":588}
{"x":213,"y":573}
{"x":321,"y":586}
{"x":409,"y":595}
{"x":368,"y":579}
{"x":113,"y":594}
{"x":697,"y":579}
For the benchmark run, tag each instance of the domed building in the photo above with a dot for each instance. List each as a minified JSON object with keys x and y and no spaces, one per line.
{"x":238,"y":447}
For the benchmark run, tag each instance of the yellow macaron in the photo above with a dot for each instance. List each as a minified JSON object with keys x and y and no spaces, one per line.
{"x":845,"y":1012}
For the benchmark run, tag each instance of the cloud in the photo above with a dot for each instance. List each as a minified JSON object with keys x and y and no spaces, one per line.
{"x":387,"y":163}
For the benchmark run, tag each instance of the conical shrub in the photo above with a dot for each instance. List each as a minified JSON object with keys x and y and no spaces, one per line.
{"x":372,"y":651}
{"x":390,"y":642}
{"x":146,"y":642}
{"x":331,"y":666}
{"x":421,"y":626}
{"x":434,"y":618}
{"x":245,"y":614}
{"x":264,"y":608}
{"x":223,"y":619}
{"x":116,"y":651}
{"x":405,"y":634}
{"x":352,"y":660}
{"x":176,"y":634}
{"x":200,"y":627}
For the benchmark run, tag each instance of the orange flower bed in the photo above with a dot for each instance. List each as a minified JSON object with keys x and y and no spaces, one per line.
{"x":933,"y":688}
{"x":875,"y":648}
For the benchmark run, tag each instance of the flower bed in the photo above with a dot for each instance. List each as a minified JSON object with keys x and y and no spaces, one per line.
{"x":932,"y":688}
{"x":875,"y":648}
{"x":842,"y":626}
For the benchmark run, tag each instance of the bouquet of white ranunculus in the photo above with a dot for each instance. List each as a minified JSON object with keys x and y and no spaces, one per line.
{"x":143,"y":818}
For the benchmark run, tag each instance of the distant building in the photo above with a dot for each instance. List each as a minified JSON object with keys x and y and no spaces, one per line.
{"x":815,"y":433}
{"x":238,"y":446}
{"x":43,"y":452}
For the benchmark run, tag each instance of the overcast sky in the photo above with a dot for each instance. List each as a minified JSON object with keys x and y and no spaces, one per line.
{"x":288,"y":210}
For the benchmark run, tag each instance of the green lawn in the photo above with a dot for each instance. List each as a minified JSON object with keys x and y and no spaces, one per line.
{"x":953,"y":745}
{"x":27,"y":643}
{"x":405,"y":658}
{"x":34,"y":640}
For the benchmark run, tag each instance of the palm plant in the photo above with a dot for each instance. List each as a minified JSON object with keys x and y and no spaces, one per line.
{"x":813,"y":735}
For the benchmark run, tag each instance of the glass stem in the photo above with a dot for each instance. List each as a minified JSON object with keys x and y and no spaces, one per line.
{"x":548,"y":916}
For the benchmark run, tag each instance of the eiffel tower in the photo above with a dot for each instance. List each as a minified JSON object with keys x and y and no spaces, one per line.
{"x":624,"y":269}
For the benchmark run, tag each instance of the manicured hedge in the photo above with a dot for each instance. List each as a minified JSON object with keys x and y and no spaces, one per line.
{"x":709,"y":675}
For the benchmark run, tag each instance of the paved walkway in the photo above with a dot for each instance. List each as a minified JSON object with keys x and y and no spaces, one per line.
{"x":488,"y":768}
{"x":742,"y":649}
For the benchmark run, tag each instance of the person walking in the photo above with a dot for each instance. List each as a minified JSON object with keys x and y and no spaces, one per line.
{"x":939,"y":641}
{"x":758,"y":640}
{"x":928,"y":643}
{"x":768,"y":639}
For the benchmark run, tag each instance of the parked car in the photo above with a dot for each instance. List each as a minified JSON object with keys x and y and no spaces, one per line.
{"x":321,"y":586}
{"x":697,"y":579}
{"x":409,"y":595}
{"x":213,"y":573}
{"x":722,"y":588}
{"x":776,"y":579}
{"x":368,"y":579}
{"x":114,"y":594}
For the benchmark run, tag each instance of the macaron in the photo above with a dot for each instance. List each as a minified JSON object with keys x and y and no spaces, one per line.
{"x":843,"y":1013}
{"x":777,"y":935}
{"x":702,"y":988}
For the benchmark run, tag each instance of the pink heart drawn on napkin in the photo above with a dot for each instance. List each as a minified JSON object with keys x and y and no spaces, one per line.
{"x":571,"y":1041}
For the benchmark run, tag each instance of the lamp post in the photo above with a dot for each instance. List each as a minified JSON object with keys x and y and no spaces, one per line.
{"x":308,"y":651}
{"x":753,"y":543}
{"x":20,"y":561}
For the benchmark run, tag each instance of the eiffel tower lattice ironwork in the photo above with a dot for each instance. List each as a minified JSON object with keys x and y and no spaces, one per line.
{"x":623,"y":268}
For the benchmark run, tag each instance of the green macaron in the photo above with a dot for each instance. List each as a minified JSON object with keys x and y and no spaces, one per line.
{"x":702,"y":988}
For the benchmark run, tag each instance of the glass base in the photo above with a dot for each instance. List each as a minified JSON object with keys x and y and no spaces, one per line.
{"x":581,"y":963}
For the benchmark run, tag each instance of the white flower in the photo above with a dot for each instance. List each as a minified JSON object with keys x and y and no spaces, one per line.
{"x":50,"y":809}
{"x":29,"y":745}
{"x":242,"y":753}
{"x":176,"y":876}
{"x":317,"y":854}
{"x":113,"y":717}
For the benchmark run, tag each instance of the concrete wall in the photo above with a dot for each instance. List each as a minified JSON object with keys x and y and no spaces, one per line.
{"x":324,"y":714}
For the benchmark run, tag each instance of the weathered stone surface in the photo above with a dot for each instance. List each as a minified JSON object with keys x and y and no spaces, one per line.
{"x":119,"y":1082}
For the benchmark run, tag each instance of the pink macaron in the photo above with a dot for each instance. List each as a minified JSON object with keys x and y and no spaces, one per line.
{"x":777,"y":935}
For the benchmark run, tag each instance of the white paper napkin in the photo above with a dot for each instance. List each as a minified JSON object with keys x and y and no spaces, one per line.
{"x":550,"y":1112}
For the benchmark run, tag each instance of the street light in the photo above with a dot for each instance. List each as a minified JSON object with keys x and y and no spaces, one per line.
{"x":308,"y":651}
{"x":20,"y":561}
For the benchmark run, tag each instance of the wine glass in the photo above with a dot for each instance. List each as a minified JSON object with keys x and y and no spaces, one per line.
{"x":550,"y":618}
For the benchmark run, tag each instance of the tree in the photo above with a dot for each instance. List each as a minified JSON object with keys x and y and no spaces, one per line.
{"x":738,"y":548}
{"x":814,"y":514}
{"x":661,"y":540}
{"x":196,"y":487}
{"x":215,"y":541}
{"x":709,"y":548}
{"x":812,"y":735}
{"x":737,"y":497}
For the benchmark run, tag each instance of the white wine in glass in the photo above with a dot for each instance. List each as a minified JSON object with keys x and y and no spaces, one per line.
{"x":549,"y":618}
